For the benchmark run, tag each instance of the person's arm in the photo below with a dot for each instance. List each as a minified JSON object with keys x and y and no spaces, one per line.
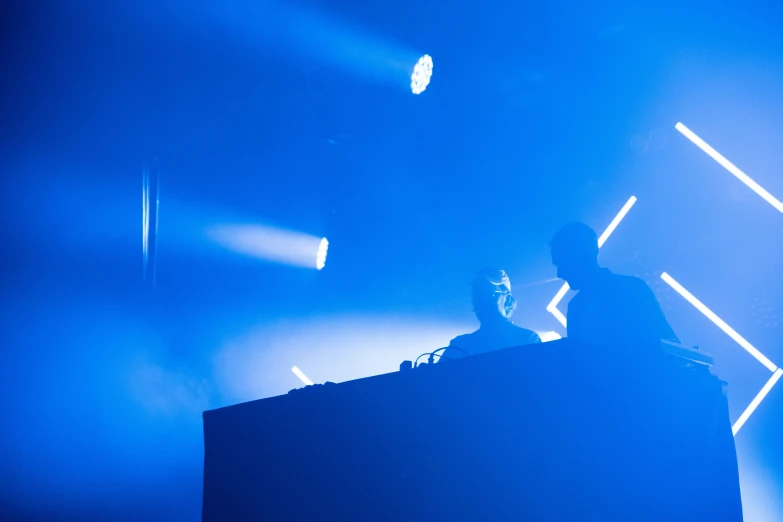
{"x":649,"y":320}
{"x":575,"y":320}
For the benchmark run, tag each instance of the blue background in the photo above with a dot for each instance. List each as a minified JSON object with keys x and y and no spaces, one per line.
{"x":299,"y":116}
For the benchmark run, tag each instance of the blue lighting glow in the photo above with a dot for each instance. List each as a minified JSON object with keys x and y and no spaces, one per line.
{"x":422,"y":72}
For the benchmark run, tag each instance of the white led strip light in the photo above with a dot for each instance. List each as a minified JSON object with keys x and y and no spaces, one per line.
{"x":769,"y":198}
{"x":302,"y":377}
{"x":709,"y":314}
{"x":726,"y":164}
{"x":752,"y":350}
{"x":728,"y":330}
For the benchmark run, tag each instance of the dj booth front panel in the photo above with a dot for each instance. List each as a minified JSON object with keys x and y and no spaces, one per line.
{"x":554,"y":431}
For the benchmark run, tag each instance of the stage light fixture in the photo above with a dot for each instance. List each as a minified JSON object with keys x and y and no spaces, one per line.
{"x":150,"y":206}
{"x":323,"y":248}
{"x":145,"y":219}
{"x":422,"y":72}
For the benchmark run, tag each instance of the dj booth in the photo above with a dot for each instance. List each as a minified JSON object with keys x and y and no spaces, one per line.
{"x":549,"y":432}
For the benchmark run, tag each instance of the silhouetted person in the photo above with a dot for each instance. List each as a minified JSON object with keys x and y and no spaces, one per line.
{"x":609,"y":309}
{"x":493,"y":305}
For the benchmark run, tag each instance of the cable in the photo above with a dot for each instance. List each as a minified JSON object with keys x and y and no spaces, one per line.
{"x":434,"y":353}
{"x":431,"y":359}
{"x":419,"y":357}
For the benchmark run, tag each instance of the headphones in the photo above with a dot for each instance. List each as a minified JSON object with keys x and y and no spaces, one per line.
{"x":502,"y":284}
{"x":509,"y":305}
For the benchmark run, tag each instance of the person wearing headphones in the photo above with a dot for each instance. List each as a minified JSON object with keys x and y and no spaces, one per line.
{"x":493,"y":305}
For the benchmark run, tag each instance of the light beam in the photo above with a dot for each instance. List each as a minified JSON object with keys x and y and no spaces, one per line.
{"x":272,"y":244}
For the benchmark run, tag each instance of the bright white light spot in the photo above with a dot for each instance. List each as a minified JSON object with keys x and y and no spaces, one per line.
{"x":549,"y":336}
{"x":302,"y":377}
{"x":718,"y":322}
{"x":726,"y":164}
{"x":422,"y":72}
{"x":323,"y":248}
{"x":552,"y":306}
{"x":756,"y":401}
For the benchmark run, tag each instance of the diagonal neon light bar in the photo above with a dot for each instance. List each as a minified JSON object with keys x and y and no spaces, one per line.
{"x":552,"y":306}
{"x":726,"y":164}
{"x":720,"y":323}
{"x":302,"y":377}
{"x":776,"y":372}
{"x":756,"y":401}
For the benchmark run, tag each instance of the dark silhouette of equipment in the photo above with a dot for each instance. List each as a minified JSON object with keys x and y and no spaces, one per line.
{"x":550,"y":432}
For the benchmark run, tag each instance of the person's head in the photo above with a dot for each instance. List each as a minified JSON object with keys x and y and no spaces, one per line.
{"x":491,"y":296}
{"x":574,"y":252}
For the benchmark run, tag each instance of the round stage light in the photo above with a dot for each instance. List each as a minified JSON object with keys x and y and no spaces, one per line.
{"x":422,"y":72}
{"x":320,"y":260}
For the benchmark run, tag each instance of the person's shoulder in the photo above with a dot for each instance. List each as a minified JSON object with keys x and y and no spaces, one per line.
{"x":627,"y":281}
{"x":529,"y":335}
{"x":463,"y":340}
{"x":632,"y":282}
{"x":634,"y":287}
{"x":459,"y":347}
{"x":574,"y":305}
